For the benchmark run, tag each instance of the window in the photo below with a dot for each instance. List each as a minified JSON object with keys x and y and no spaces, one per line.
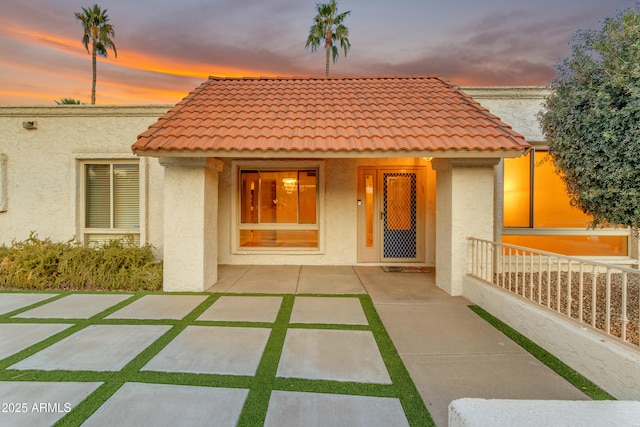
{"x":111,"y":201}
{"x":278,"y":208}
{"x":537,"y":212}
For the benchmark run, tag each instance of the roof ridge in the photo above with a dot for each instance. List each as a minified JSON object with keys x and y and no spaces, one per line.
{"x":387,"y":77}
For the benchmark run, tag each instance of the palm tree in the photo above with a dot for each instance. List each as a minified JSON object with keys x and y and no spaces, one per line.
{"x":328,"y":27}
{"x":99,"y":33}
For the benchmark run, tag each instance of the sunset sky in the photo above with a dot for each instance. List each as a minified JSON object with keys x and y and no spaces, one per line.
{"x":167,"y":47}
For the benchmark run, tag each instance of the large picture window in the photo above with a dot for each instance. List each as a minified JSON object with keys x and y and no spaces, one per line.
{"x":537,"y":212}
{"x":278,"y":208}
{"x":112,"y":202}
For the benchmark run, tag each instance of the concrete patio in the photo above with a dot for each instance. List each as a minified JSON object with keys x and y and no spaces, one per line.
{"x":447,"y":349}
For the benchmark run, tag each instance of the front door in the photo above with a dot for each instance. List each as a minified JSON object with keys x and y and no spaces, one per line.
{"x":390,"y":215}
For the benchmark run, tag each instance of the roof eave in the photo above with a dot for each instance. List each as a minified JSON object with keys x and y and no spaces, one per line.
{"x":271,"y":154}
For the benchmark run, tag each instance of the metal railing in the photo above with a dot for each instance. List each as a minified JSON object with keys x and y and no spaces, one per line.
{"x":602,"y":296}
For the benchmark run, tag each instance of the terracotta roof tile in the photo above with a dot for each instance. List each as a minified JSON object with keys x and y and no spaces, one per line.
{"x":320,"y":115}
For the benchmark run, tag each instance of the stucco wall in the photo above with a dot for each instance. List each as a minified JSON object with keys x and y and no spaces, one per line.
{"x":516,"y":106}
{"x":465,"y":209}
{"x":42,"y":178}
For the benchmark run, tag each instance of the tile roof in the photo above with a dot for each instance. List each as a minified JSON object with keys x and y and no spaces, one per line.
{"x":319,"y":115}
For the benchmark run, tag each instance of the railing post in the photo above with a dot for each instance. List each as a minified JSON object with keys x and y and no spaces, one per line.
{"x":540,"y":279}
{"x":569,"y":300}
{"x":503,"y":278}
{"x":581,"y":293}
{"x":558,"y":285}
{"x":531,"y":276}
{"x":594,"y":294}
{"x":607,"y":320}
{"x":624,"y":320}
{"x":548,"y":282}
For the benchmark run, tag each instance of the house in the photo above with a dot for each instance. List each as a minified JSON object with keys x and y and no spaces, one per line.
{"x":339,"y":171}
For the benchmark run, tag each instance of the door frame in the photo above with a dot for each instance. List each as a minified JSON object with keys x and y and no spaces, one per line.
{"x":370,"y":219}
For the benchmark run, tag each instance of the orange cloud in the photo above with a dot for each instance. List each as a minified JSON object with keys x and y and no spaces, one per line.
{"x":123,"y":92}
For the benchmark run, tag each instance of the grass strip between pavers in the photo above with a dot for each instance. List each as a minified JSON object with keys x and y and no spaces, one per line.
{"x":260,"y":385}
{"x":565,"y":371}
{"x":413,"y":405}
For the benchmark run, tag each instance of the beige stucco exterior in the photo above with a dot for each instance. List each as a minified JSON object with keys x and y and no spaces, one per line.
{"x":517,"y":106}
{"x":42,"y":179}
{"x":189,"y":205}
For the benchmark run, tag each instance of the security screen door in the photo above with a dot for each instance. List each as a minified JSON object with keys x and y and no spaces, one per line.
{"x":390,"y":215}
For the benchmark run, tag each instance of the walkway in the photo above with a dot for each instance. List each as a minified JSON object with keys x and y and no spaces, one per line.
{"x":449,"y":351}
{"x":215,"y":358}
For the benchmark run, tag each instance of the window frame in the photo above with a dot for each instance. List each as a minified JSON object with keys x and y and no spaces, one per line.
{"x":268,"y":166}
{"x":113,"y":232}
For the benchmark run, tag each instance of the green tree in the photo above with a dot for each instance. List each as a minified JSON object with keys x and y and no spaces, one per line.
{"x":592,"y":121}
{"x":67,"y":101}
{"x":328,"y":28}
{"x":99,"y":34}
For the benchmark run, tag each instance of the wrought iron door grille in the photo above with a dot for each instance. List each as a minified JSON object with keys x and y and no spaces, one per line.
{"x":400,"y":210}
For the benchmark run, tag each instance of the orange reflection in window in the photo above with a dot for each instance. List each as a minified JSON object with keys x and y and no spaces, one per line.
{"x":307,"y":197}
{"x":279,"y":238}
{"x":573,"y":245}
{"x":517,"y":191}
{"x":368,"y":202}
{"x":551,"y":200}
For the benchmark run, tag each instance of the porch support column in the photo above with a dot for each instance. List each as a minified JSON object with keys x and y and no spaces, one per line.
{"x":464,"y":208}
{"x":190,"y":223}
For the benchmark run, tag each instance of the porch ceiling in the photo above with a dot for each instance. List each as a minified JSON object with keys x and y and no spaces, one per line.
{"x":335,"y":117}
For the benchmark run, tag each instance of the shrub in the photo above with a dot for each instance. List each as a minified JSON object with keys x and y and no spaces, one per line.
{"x":43,"y":264}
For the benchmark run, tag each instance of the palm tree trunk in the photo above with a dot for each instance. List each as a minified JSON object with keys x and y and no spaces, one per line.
{"x":326,"y":70}
{"x":95,"y":67}
{"x":328,"y":43}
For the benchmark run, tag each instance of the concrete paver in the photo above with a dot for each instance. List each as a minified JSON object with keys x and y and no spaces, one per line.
{"x":75,"y":306}
{"x":294,"y":409}
{"x":268,"y":279}
{"x":16,"y":337}
{"x":266,"y":286}
{"x":337,"y":355}
{"x":10,"y":302}
{"x":41,"y":404}
{"x":441,"y":379}
{"x":243,"y":309}
{"x":136,"y":404}
{"x":346,"y":311}
{"x":228,"y":275}
{"x":213,"y":350}
{"x":412,"y":288}
{"x":329,"y":280}
{"x":95,"y":348}
{"x":159,"y":307}
{"x":442,"y":329}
